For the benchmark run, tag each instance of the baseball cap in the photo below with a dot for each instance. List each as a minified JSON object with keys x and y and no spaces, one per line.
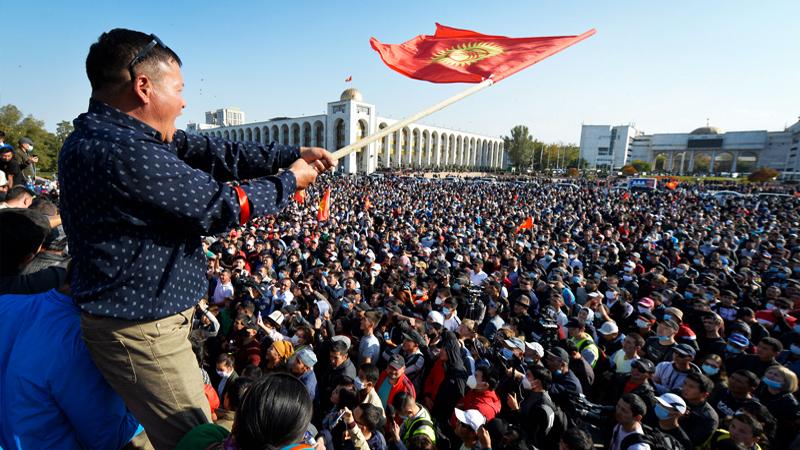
{"x":672,"y":401}
{"x":609,"y":327}
{"x":515,"y":343}
{"x":24,"y":140}
{"x":471,"y":418}
{"x":397,"y":362}
{"x":739,"y":340}
{"x":413,"y":336}
{"x":559,"y":353}
{"x":535,"y":347}
{"x":647,"y":302}
{"x":437,"y":317}
{"x":644,"y":364}
{"x":573,"y":322}
{"x":344,"y":339}
{"x":684,"y":349}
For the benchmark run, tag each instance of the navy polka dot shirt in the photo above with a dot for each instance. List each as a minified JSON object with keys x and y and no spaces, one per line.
{"x":134,"y":209}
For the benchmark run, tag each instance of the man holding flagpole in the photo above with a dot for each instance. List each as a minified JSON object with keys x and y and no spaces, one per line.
{"x":136,"y":197}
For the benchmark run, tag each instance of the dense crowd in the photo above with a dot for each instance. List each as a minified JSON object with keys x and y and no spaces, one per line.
{"x":421,"y":316}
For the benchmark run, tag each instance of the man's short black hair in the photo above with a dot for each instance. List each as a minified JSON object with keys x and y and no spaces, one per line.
{"x":637,"y":405}
{"x":109,"y":57}
{"x":703,"y":382}
{"x":235,"y":390}
{"x":751,"y":378}
{"x":19,"y":192}
{"x":371,"y":372}
{"x":22,"y":232}
{"x":542,"y":374}
{"x":776,"y":345}
{"x":489,"y":375}
{"x":577,"y":439}
{"x":371,"y":416}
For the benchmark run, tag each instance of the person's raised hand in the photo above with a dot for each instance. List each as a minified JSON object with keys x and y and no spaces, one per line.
{"x":483,"y":437}
{"x":304,"y":173}
{"x":511,"y":401}
{"x":318,"y":157}
{"x":347,"y":415}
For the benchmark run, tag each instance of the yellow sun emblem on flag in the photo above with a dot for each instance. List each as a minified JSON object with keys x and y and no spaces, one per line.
{"x":466,"y":54}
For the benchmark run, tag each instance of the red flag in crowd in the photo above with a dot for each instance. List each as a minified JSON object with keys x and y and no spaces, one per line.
{"x":300,"y":196}
{"x":526,"y":225}
{"x":625,"y":197}
{"x":672,"y":185}
{"x":516,"y":197}
{"x":367,"y":203}
{"x":348,"y":79}
{"x":453,"y":55}
{"x":324,"y":211}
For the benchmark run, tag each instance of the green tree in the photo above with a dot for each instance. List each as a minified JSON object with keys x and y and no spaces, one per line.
{"x":519,"y":146}
{"x":63,"y":129}
{"x":641,"y":166}
{"x":45,"y":144}
{"x":762,"y":175}
{"x":628,"y":170}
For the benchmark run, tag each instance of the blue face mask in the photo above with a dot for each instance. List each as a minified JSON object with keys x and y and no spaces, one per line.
{"x":507,"y":353}
{"x":663,"y":338}
{"x":446,"y":311}
{"x":667,"y":316}
{"x":710,"y":370}
{"x":557,"y":372}
{"x":732,"y":349}
{"x":772,"y":383}
{"x":688,"y":295}
{"x":662,"y":413}
{"x":795,"y":349}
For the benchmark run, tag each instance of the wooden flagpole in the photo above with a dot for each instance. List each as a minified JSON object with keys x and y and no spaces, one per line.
{"x":354,"y":147}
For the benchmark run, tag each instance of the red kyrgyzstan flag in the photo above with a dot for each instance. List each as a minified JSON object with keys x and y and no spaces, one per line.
{"x":300,"y":196}
{"x":324,"y":211}
{"x":452,"y":55}
{"x":367,"y":203}
{"x":526,"y":225}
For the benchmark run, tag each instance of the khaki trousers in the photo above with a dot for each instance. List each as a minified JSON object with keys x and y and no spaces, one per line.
{"x":152,"y":367}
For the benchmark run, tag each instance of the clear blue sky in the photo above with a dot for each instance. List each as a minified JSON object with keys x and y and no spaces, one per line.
{"x":667,"y":66}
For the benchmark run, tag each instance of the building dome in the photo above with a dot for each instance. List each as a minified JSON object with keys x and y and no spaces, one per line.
{"x":707,"y":130}
{"x":352,"y":94}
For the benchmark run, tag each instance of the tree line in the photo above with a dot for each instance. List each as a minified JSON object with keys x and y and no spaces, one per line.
{"x":525,"y":152}
{"x":46,"y":145}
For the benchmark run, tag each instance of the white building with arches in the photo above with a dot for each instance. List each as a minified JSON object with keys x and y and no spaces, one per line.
{"x":349,"y":119}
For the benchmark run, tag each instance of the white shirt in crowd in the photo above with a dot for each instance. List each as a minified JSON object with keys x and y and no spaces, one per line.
{"x":222,"y":291}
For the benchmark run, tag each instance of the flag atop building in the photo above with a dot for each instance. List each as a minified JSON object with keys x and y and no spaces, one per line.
{"x":348,"y":79}
{"x":453,"y":55}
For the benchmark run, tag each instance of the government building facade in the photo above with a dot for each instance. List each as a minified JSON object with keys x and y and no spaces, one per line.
{"x":704,"y":151}
{"x":349,"y":119}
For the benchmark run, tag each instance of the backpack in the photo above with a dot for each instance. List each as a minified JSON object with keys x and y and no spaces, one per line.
{"x":656,"y":439}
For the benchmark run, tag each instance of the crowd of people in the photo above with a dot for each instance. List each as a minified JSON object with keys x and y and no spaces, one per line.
{"x":169,"y":293}
{"x":420,"y":316}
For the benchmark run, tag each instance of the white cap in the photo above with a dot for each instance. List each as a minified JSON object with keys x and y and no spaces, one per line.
{"x":630,"y":264}
{"x":344,"y":339}
{"x":535,"y":347}
{"x":609,"y":328}
{"x":471,"y":417}
{"x":277,"y":317}
{"x":437,"y":317}
{"x":594,"y":294}
{"x":672,"y":401}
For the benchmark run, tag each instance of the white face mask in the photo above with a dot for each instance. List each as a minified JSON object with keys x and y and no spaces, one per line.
{"x":472,"y":382}
{"x":358,"y":384}
{"x":222,"y":373}
{"x":294,"y":340}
